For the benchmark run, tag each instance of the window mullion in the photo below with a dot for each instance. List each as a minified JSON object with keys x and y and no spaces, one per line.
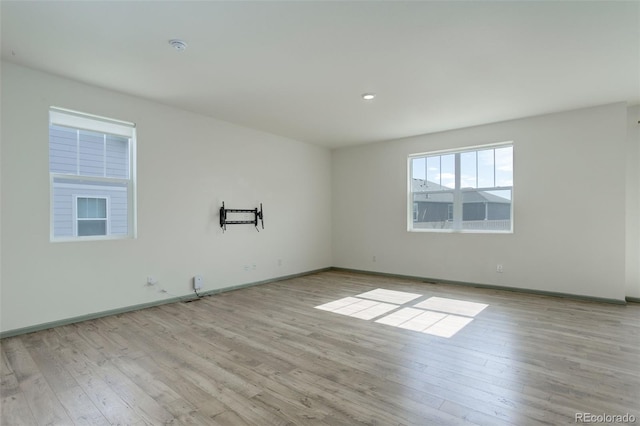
{"x":477,"y":173}
{"x":494,"y":167}
{"x":457,"y":195}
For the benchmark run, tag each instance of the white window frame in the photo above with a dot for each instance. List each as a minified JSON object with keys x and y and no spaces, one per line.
{"x":458,"y":191}
{"x":77,"y":219}
{"x":83,"y":121}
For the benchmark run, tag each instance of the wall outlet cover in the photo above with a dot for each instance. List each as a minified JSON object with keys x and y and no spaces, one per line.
{"x":198,"y":282}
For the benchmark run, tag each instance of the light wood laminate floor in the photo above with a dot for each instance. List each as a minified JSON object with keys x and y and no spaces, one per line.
{"x":264,"y":356}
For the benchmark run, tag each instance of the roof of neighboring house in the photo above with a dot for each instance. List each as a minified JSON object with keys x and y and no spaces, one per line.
{"x":425,"y":190}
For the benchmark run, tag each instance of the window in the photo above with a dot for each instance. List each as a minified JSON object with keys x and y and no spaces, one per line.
{"x":92,"y":176}
{"x":462,"y":191}
{"x":91,"y":216}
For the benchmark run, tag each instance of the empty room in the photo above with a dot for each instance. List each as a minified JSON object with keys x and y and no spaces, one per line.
{"x":319,"y":213}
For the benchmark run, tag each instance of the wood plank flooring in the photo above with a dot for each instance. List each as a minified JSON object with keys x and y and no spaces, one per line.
{"x":264,"y":356}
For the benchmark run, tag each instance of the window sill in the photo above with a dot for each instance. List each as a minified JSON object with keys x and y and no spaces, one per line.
{"x":460,"y":231}
{"x":91,"y":238}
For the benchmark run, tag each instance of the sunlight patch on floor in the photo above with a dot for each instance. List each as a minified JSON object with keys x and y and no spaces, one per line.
{"x":337,"y":304}
{"x":420,"y":322}
{"x":452,"y":306}
{"x":358,"y":308}
{"x":437,"y":316}
{"x":390,"y":296}
{"x":375,"y":311}
{"x":399,"y":317}
{"x":448,"y":326}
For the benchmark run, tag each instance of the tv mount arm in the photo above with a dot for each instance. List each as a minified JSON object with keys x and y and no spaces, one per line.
{"x":257,"y":214}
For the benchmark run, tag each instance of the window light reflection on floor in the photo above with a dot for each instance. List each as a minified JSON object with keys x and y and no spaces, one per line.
{"x":452,"y":306}
{"x":390,"y":296}
{"x":358,"y":308}
{"x":437,"y":316}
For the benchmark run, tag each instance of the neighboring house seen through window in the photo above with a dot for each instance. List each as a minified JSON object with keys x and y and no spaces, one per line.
{"x":92,"y":173}
{"x":463,"y":190}
{"x":91,"y":216}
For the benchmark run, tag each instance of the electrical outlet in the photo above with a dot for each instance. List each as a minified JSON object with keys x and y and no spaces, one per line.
{"x":373,"y":259}
{"x":499,"y":268}
{"x":198,"y":282}
{"x":279,"y":262}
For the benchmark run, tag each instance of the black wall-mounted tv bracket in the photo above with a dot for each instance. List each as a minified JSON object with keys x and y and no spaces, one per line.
{"x":257,"y":214}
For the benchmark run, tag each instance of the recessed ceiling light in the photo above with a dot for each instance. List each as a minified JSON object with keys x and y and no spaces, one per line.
{"x":177,"y":44}
{"x":368,"y":96}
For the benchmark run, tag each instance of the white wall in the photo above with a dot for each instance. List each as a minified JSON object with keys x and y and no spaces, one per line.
{"x":187,"y":165}
{"x":569,"y":215}
{"x":633,"y":204}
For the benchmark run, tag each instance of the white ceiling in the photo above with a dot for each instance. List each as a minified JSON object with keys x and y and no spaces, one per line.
{"x":297,"y":69}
